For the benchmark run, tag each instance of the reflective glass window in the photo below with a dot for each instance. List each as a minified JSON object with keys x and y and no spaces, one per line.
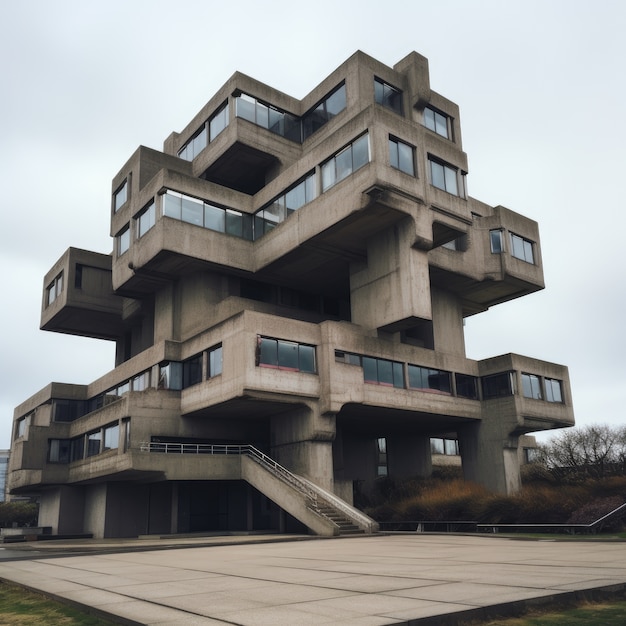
{"x":497,"y":385}
{"x":495,"y":239}
{"x":553,"y":390}
{"x":172,"y":205}
{"x":437,"y":122}
{"x":531,"y":386}
{"x":388,"y":96}
{"x":522,"y":248}
{"x":428,"y":379}
{"x":123,"y":241}
{"x":111,"y":437}
{"x":218,"y":122}
{"x":192,"y":211}
{"x":401,"y":156}
{"x":94,"y":440}
{"x":146,"y":220}
{"x":215,"y":361}
{"x":214,"y":218}
{"x":466,"y":386}
{"x":192,"y":371}
{"x":121,"y":196}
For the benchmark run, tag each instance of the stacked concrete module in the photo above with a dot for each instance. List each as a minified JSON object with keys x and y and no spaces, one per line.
{"x":289,"y":283}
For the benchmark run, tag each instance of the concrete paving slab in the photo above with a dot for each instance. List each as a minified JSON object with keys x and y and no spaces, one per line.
{"x":365,"y":581}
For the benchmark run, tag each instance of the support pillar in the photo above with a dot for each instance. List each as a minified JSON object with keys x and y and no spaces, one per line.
{"x":490,"y":457}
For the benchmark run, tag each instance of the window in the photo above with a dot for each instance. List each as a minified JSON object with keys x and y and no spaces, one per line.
{"x":215,"y":361}
{"x":195,"y":145}
{"x":401,"y":156}
{"x":345,"y":162}
{"x":436,"y":445}
{"x":285,"y":355}
{"x":120,"y":196}
{"x":466,"y":386}
{"x":323,"y":112}
{"x":381,"y":461}
{"x":66,"y":410}
{"x":427,"y":379}
{"x":267,"y":116}
{"x":445,"y":177}
{"x":267,"y":218}
{"x":58,"y":451}
{"x":141,"y":381}
{"x":553,"y":390}
{"x":54,"y":289}
{"x":194,"y":211}
{"x":21,"y":426}
{"x":192,"y":371}
{"x":531,"y":455}
{"x":218,"y":122}
{"x":206,"y":133}
{"x":94,"y":440}
{"x":388,"y":96}
{"x":383,"y":372}
{"x":146,"y":219}
{"x":496,"y":242}
{"x":111,"y":437}
{"x":437,"y":122}
{"x":531,"y":386}
{"x":123,"y":241}
{"x":522,"y":248}
{"x":77,"y":448}
{"x":171,"y":375}
{"x":497,"y":385}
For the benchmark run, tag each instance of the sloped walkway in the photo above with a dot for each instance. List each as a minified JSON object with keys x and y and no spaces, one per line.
{"x":371,"y":580}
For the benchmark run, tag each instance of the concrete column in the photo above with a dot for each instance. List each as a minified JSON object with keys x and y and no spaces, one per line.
{"x":409,"y":456}
{"x":490,"y":458}
{"x":62,"y":508}
{"x":302,"y":442}
{"x":393,"y":290}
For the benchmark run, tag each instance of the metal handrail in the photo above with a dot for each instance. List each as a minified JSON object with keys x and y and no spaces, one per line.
{"x":241,"y":450}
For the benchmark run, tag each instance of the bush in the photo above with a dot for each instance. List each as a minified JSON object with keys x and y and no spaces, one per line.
{"x":597,"y":508}
{"x":18,"y":513}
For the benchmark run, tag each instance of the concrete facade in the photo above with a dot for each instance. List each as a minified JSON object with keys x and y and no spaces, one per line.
{"x":292,"y":275}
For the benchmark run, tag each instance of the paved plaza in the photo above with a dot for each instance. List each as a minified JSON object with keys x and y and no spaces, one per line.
{"x":369,"y":580}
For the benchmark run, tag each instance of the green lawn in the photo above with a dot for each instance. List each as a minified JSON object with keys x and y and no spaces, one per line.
{"x":19,"y":607}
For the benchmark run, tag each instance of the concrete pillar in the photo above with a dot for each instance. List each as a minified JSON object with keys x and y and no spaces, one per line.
{"x":62,"y":508}
{"x":301,"y":441}
{"x":490,"y":457}
{"x":409,"y":456}
{"x":392,"y":291}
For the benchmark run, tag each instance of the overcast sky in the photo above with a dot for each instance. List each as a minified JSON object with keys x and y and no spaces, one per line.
{"x":541,"y":87}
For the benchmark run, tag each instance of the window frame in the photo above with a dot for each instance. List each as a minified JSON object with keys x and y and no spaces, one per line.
{"x":447,"y":174}
{"x":527,"y":251}
{"x":120,"y":196}
{"x":436,"y":120}
{"x":388,"y":96}
{"x":286,"y":355}
{"x":395,"y":160}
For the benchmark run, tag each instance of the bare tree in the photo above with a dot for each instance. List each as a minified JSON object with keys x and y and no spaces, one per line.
{"x":594,"y":450}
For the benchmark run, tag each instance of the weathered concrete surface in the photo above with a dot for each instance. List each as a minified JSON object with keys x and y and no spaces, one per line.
{"x":400,"y":579}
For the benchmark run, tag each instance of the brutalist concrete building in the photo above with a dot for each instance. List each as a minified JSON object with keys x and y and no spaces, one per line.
{"x":286,"y":293}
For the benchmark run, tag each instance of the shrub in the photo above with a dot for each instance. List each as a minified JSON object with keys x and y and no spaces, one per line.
{"x":18,"y":513}
{"x":597,"y":508}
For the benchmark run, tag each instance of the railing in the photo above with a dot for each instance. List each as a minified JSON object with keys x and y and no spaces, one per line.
{"x":248,"y":450}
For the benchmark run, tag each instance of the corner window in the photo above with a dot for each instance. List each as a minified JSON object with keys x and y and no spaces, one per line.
{"x":466,"y":386}
{"x":146,"y":219}
{"x":285,"y":355}
{"x":54,"y":289}
{"x":437,"y":122}
{"x":496,"y":242}
{"x":388,"y":96}
{"x":171,"y":375}
{"x":401,"y":156}
{"x":345,"y":162}
{"x":522,"y":248}
{"x":553,"y":390}
{"x":323,"y":112}
{"x":427,"y":379}
{"x":123,"y":241}
{"x":531,"y":386}
{"x":498,"y":385}
{"x":120,"y":196}
{"x":445,"y":177}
